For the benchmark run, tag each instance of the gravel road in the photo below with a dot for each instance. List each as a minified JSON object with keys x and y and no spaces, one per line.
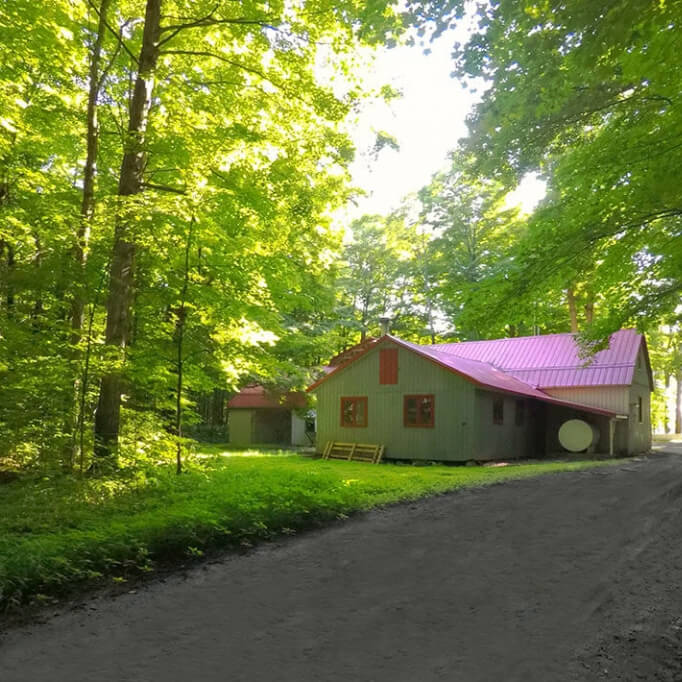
{"x":574,"y":576}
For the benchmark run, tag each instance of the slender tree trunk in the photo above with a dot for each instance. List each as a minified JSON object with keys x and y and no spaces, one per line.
{"x":666,"y":414}
{"x":5,"y":246}
{"x":122,"y":271}
{"x":36,"y":261}
{"x":8,"y":288}
{"x":179,"y":335}
{"x":572,"y":309}
{"x":363,"y":324}
{"x":678,"y":401}
{"x":429,"y":318}
{"x":589,"y":312}
{"x":75,"y":417}
{"x":11,"y":262}
{"x":89,"y":172}
{"x":83,"y":388}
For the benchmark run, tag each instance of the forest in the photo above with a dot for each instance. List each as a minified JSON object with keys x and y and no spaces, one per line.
{"x":170,"y":173}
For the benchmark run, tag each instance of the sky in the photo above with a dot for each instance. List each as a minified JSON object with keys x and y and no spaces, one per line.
{"x":427,"y":121}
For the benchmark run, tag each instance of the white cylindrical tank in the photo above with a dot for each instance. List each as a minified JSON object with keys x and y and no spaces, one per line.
{"x":576,"y":435}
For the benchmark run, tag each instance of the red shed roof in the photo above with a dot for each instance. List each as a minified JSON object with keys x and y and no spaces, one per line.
{"x":258,"y":397}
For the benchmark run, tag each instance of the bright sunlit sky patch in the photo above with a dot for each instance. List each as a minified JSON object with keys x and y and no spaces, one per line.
{"x":427,"y":121}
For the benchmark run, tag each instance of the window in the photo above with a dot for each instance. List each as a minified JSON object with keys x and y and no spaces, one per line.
{"x":418,"y":410}
{"x":388,"y":366}
{"x":498,"y":411}
{"x":640,"y":410}
{"x":354,"y":411}
{"x":520,"y":414}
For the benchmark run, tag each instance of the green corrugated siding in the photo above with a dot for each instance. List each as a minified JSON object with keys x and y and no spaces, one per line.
{"x":639,"y":433}
{"x":240,"y":424}
{"x":613,"y":398}
{"x":449,"y":439}
{"x":506,"y":440}
{"x":641,"y":374}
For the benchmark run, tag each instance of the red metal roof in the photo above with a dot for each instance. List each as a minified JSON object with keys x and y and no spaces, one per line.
{"x":258,"y":397}
{"x":486,"y":375}
{"x":554,"y":360}
{"x":348,"y":354}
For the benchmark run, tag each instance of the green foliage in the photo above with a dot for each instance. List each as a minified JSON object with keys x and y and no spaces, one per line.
{"x":385,"y":272}
{"x":57,"y":533}
{"x":585,"y":93}
{"x":244,"y":146}
{"x":665,"y":351}
{"x":472,"y":237}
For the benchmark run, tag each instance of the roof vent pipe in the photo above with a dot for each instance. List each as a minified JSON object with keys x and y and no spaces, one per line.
{"x":385,"y":323}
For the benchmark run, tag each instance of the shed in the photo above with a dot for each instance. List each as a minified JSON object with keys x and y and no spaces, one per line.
{"x":486,"y":400}
{"x":257,"y":415}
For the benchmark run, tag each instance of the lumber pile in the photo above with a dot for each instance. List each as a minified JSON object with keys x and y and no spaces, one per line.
{"x":359,"y":452}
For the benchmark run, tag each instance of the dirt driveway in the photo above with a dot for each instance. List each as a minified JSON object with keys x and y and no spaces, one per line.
{"x":573,"y":576}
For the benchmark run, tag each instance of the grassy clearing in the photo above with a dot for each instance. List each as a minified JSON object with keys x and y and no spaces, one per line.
{"x":63,"y":532}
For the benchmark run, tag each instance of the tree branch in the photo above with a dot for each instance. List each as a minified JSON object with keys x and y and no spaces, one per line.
{"x":108,"y":67}
{"x":191,"y":22}
{"x":211,"y":20}
{"x":238,"y":65}
{"x":227,"y":60}
{"x":115,"y":33}
{"x":164,"y":188}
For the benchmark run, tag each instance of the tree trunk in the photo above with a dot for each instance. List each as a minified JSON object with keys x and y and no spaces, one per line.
{"x":5,"y":246}
{"x":363,"y":320}
{"x":10,"y":285}
{"x":122,"y":271}
{"x":678,"y":401}
{"x":429,"y":319}
{"x":179,"y":338}
{"x":572,"y":309}
{"x":8,"y":288}
{"x":89,"y":172}
{"x":589,"y":312}
{"x":36,"y":262}
{"x":666,"y":414}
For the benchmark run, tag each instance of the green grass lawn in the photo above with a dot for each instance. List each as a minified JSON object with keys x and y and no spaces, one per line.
{"x":60,"y":533}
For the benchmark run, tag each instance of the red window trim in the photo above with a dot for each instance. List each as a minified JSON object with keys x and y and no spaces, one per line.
{"x":354,"y":400}
{"x":419,"y":425}
{"x":388,"y":366}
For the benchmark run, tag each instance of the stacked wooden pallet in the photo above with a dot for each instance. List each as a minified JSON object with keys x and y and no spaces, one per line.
{"x":360,"y":452}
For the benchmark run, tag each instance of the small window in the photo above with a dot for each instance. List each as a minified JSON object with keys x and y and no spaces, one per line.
{"x":418,"y":410}
{"x":498,"y":411}
{"x":640,"y":410}
{"x":520,"y":414}
{"x":354,"y":412}
{"x":388,"y":366}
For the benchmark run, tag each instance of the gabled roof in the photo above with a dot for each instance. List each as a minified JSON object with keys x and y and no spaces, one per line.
{"x":554,"y":360}
{"x":256,"y":396}
{"x":480,"y":373}
{"x":348,"y":354}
